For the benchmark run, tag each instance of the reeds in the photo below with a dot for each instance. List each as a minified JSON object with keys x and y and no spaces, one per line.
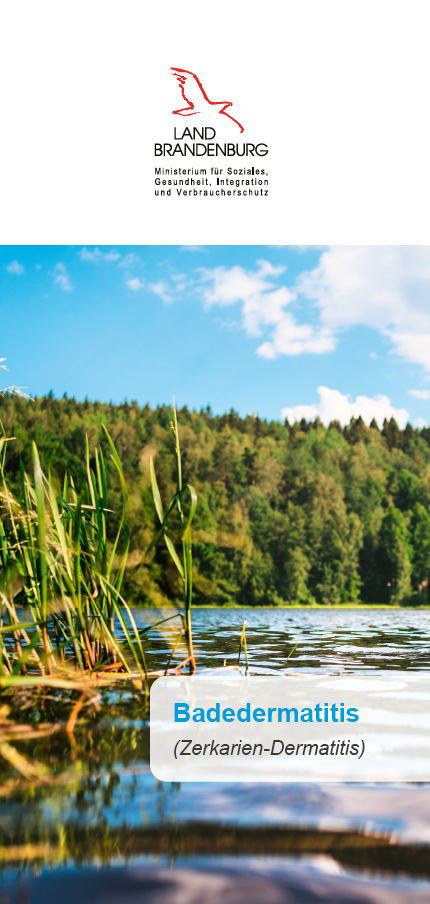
{"x":184,"y":567}
{"x":243,"y":644}
{"x":60,"y":580}
{"x":63,"y":616}
{"x":61,"y":602}
{"x":291,"y":652}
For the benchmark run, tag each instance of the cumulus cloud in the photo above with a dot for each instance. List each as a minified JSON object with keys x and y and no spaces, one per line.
{"x":382,"y":287}
{"x":333,"y":405}
{"x":263,"y":307}
{"x":61,"y":277}
{"x":228,"y":286}
{"x":162,"y":289}
{"x":96,"y":256}
{"x":15,"y":267}
{"x":419,"y":393}
{"x":291,"y":338}
{"x":135,"y":284}
{"x":386,"y":288}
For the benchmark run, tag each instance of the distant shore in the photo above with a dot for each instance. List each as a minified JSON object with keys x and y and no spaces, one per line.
{"x":354,"y":606}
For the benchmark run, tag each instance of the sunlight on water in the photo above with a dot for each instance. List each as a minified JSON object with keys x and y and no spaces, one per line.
{"x":116,"y":812}
{"x":337,"y":640}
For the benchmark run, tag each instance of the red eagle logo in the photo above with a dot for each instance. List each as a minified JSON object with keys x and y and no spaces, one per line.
{"x":195,"y":96}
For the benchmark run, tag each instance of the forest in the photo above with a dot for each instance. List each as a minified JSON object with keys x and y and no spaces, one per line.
{"x":287,"y":513}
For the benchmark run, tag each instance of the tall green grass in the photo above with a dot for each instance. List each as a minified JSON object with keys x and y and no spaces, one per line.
{"x":60,"y":580}
{"x":184,"y":564}
{"x":61,"y":601}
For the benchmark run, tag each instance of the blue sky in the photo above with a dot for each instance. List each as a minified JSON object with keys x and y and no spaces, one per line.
{"x":272,"y":330}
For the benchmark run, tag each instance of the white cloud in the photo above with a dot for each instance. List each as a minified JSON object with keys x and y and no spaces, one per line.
{"x":333,"y":405}
{"x":193,"y":248}
{"x":309,"y":412}
{"x":301,"y":249}
{"x":129,"y":260}
{"x":419,"y":393}
{"x":15,"y":267}
{"x":382,"y":287}
{"x":61,"y":277}
{"x":237,"y":284}
{"x":263,"y":306}
{"x":420,"y":423}
{"x":162,"y":289}
{"x":385,"y":288}
{"x":291,"y":338}
{"x":96,"y":256}
{"x":181,"y":282}
{"x":135,"y":284}
{"x":93,"y":257}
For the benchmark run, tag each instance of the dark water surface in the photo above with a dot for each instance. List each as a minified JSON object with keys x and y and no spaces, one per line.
{"x":112,"y":833}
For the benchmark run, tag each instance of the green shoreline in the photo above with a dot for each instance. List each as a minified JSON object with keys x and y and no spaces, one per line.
{"x":303,"y":606}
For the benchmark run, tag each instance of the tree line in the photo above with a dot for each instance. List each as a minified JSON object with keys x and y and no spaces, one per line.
{"x":287,"y":513}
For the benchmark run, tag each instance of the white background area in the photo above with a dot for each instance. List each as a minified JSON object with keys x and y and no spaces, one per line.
{"x":338,"y":89}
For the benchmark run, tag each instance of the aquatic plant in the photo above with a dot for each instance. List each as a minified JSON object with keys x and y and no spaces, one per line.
{"x":291,"y":652}
{"x":243,"y":644}
{"x":62,"y":610}
{"x":60,"y":581}
{"x":184,"y":567}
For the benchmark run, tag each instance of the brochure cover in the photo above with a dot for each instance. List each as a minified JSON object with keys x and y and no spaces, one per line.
{"x":214,"y":453}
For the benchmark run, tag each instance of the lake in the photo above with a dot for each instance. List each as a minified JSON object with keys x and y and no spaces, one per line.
{"x":99,"y":828}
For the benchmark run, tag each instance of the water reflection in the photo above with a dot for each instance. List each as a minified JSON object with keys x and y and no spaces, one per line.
{"x":287,"y":880}
{"x":101,"y":805}
{"x":340,"y":640}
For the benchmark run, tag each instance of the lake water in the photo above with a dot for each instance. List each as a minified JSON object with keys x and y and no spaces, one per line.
{"x":111,"y":833}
